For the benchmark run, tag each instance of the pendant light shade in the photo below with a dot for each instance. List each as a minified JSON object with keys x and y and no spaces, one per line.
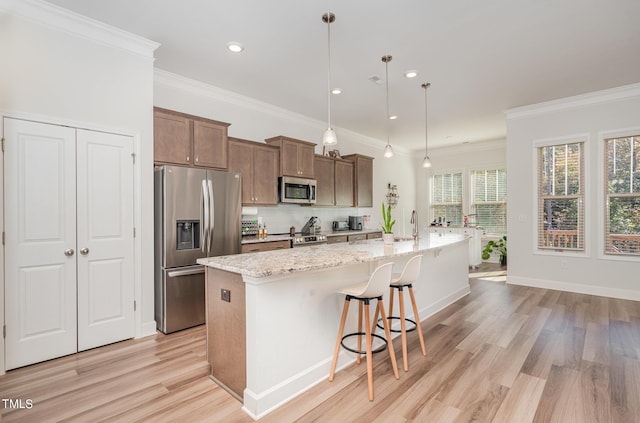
{"x":329,"y":137}
{"x":388,"y":150}
{"x":426,"y":162}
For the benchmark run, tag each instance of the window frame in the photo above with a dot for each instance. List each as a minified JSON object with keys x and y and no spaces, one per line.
{"x":431,"y":191}
{"x":471,"y":195}
{"x":602,"y":213}
{"x":583,"y":138}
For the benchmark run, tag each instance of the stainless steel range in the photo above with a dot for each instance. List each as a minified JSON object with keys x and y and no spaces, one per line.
{"x":301,"y":240}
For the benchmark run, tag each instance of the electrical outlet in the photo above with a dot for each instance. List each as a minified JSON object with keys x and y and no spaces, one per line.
{"x":225,"y":295}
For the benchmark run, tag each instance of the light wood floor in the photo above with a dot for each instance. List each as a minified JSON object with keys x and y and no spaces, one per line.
{"x":501,"y":354}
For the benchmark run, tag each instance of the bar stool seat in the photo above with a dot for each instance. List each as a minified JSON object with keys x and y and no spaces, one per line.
{"x":373,"y":289}
{"x":400,"y":281}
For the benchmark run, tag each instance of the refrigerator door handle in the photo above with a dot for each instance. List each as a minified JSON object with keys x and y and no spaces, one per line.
{"x":204,"y":217}
{"x":195,"y":270}
{"x":211,"y":214}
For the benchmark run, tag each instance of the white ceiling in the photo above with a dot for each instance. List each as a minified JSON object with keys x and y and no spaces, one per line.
{"x":481,"y":57}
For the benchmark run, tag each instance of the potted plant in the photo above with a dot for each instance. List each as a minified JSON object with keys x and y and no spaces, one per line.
{"x":500,"y":246}
{"x":387,"y":225}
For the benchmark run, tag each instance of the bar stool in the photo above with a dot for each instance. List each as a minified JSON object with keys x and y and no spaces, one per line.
{"x":400,"y":281}
{"x":375,"y":288}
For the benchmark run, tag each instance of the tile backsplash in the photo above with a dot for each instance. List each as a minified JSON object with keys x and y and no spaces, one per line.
{"x":280,"y":218}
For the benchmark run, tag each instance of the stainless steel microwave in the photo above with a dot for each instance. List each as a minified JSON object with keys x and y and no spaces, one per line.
{"x":296,"y":190}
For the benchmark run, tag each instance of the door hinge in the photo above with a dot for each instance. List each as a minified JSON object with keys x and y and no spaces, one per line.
{"x":3,"y":144}
{"x":135,"y":305}
{"x":4,"y":331}
{"x":2,"y":237}
{"x":133,"y":156}
{"x":134,"y":231}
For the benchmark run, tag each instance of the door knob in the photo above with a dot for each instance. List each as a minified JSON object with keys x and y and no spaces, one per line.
{"x":69,"y":252}
{"x":84,"y":251}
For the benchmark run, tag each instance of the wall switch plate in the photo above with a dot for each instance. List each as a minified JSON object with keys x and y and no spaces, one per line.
{"x":225,"y":295}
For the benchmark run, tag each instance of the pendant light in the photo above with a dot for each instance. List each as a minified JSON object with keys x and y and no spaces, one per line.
{"x":329,"y":137}
{"x":388,"y":150}
{"x":426,"y":162}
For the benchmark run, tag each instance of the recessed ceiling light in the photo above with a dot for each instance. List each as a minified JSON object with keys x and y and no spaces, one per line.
{"x":336,"y":91}
{"x":411,"y":73}
{"x":393,"y":117}
{"x":235,"y":47}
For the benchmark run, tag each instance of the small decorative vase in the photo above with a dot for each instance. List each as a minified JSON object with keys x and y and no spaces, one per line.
{"x":387,"y":238}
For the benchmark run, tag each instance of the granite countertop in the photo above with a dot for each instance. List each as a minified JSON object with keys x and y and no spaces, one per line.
{"x":325,"y":256}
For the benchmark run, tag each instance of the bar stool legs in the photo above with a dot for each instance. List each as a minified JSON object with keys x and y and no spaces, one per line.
{"x":365,"y":308}
{"x":419,"y":328}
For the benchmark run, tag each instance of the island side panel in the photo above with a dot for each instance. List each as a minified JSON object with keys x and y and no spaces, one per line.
{"x":226,"y":323}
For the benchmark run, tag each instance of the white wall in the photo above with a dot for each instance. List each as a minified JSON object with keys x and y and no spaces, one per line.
{"x":590,"y":272}
{"x":465,"y":158}
{"x":50,"y":74}
{"x":256,"y":121}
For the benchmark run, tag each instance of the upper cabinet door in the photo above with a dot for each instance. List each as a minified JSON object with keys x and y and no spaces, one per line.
{"x":305,"y":160}
{"x":105,"y":238}
{"x":40,"y":254}
{"x":172,"y":138}
{"x":241,"y":161}
{"x":266,"y":163}
{"x":324,"y":171}
{"x":344,"y":183}
{"x":189,"y":140}
{"x":210,"y":144}
{"x":289,"y":157}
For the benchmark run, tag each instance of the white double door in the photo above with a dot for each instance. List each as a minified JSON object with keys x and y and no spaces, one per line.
{"x":69,"y":240}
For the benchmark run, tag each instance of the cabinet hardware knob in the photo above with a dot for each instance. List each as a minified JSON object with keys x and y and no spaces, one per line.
{"x":187,"y":158}
{"x":196,"y":159}
{"x":69,"y":252}
{"x":84,"y":251}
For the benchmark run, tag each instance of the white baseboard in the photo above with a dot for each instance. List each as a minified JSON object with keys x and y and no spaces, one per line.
{"x":601,"y":291}
{"x":148,"y":328}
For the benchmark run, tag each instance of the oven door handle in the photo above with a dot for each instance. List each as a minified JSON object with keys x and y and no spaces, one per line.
{"x":195,"y":270}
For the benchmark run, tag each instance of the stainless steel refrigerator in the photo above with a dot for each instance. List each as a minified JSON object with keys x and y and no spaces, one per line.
{"x":197,"y":214}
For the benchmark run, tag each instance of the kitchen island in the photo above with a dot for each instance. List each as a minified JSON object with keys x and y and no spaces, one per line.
{"x":272,"y":317}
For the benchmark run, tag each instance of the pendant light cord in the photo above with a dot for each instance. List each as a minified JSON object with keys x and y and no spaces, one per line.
{"x":329,"y":70}
{"x":426,"y":133}
{"x":386,"y":64}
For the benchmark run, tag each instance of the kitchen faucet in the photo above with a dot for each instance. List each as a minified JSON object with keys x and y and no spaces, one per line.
{"x":414,"y":222}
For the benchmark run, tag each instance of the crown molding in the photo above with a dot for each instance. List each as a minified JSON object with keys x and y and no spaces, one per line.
{"x":471,"y":147}
{"x":49,"y":15}
{"x":200,"y":88}
{"x":567,"y":103}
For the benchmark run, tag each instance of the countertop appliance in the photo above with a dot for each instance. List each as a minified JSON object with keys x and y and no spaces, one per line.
{"x":301,"y":240}
{"x":197,"y":214}
{"x":355,"y":223}
{"x":296,"y":190}
{"x":339,"y":225}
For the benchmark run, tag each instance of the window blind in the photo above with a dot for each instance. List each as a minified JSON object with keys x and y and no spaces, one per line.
{"x":622,"y":196}
{"x":489,"y":195}
{"x":446,"y":197}
{"x":561,"y":197}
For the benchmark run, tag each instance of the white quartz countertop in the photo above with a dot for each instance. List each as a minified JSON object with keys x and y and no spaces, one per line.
{"x":326,"y":256}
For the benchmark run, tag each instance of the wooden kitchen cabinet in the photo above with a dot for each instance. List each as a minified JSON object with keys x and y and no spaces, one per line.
{"x":296,"y":156}
{"x":255,"y":247}
{"x":334,"y":182}
{"x":363,"y":192}
{"x":183,"y":139}
{"x":337,"y":239}
{"x":259,"y":165}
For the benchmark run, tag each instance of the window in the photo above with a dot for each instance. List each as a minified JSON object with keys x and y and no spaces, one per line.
{"x":446,"y":197}
{"x":622,"y":185}
{"x":489,"y":200}
{"x":561,"y":197}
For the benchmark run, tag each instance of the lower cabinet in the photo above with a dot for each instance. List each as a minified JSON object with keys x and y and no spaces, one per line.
{"x":374,"y":235}
{"x":255,"y":247}
{"x":226,"y":329}
{"x":337,"y":239}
